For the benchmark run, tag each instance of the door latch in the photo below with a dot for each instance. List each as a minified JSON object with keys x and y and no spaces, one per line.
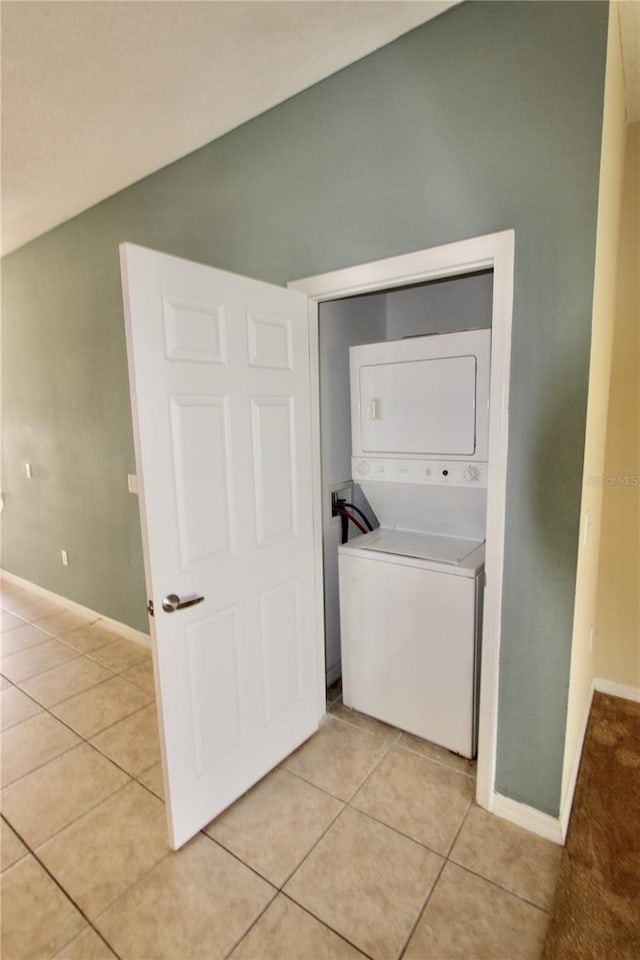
{"x":150,"y":608}
{"x":173,"y":602}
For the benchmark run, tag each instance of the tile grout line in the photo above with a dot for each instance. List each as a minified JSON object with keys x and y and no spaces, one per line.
{"x":313,"y":847}
{"x":106,"y":757}
{"x":459,"y":830}
{"x":125,"y":891}
{"x":237,"y":942}
{"x":40,"y":766}
{"x":110,"y":726}
{"x":383,"y":823}
{"x":299,"y":776}
{"x":279,"y":888}
{"x":231,"y":853}
{"x":16,"y":626}
{"x":349,"y":723}
{"x":499,"y":886}
{"x":445,"y":861}
{"x":390,"y":744}
{"x":18,"y":683}
{"x":75,"y":746}
{"x":27,"y":623}
{"x":60,"y":639}
{"x":352,"y":723}
{"x":294,"y":773}
{"x":131,"y":779}
{"x":440,"y":762}
{"x":368,"y":776}
{"x":395,"y":743}
{"x":38,"y":673}
{"x":78,"y":693}
{"x":82,"y":816}
{"x":325,"y":924}
{"x":400,"y":833}
{"x":82,"y":738}
{"x":481,"y":876}
{"x":66,"y":894}
{"x":422,"y":909}
{"x":345,"y":806}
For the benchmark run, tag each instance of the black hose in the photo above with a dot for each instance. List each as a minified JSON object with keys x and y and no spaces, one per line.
{"x":344,"y":520}
{"x":352,"y":506}
{"x":345,"y":513}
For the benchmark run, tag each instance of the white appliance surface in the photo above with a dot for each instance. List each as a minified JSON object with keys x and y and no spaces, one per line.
{"x":447,"y":510}
{"x":431,"y":551}
{"x":411,"y":643}
{"x":445,"y":473}
{"x":422,"y":397}
{"x":401,"y":406}
{"x":411,"y":591}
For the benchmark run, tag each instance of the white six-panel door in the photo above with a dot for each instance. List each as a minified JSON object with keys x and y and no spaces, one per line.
{"x":219,"y":374}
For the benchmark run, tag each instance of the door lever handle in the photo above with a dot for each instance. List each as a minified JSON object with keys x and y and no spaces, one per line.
{"x":173,"y":602}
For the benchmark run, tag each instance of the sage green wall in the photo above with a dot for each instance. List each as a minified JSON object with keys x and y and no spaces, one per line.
{"x":487,"y":118}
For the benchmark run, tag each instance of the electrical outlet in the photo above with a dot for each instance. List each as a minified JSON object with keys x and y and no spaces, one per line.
{"x":65,"y":558}
{"x":132,"y":482}
{"x":27,"y":471}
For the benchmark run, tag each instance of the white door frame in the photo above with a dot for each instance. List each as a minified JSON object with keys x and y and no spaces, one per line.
{"x":493,"y":251}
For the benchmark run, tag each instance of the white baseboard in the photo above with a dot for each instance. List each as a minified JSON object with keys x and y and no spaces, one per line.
{"x":566,"y":804}
{"x":124,"y":630}
{"x":542,"y":823}
{"x":527,"y":817}
{"x":121,"y":629}
{"x":617,"y":689}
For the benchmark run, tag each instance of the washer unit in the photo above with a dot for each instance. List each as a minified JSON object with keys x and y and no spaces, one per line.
{"x":411,"y":591}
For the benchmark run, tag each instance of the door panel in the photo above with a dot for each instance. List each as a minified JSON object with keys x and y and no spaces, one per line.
{"x":204,"y":521}
{"x":193,"y":331}
{"x":273,"y":431}
{"x":212,"y":649}
{"x":220,"y":384}
{"x":280,"y":631}
{"x":270,"y":342}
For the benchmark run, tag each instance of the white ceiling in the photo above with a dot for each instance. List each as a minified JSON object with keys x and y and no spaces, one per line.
{"x":96,"y":95}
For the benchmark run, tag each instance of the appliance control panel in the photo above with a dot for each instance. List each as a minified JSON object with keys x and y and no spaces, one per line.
{"x":451,"y":473}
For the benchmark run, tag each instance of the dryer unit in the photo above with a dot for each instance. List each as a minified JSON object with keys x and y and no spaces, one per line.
{"x":411,"y":592}
{"x":424,"y":400}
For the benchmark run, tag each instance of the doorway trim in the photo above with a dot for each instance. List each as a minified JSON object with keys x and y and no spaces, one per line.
{"x":492,"y":251}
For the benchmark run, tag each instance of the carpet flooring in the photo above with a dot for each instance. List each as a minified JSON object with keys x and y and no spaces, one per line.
{"x":596,"y":910}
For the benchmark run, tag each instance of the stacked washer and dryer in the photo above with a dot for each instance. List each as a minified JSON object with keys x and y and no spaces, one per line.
{"x":411,"y":591}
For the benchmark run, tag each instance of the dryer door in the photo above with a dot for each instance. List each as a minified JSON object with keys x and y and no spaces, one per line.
{"x":424,"y":407}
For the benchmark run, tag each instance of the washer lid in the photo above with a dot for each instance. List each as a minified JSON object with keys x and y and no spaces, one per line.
{"x":423,"y":546}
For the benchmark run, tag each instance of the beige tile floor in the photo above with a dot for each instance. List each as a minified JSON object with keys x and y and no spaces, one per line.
{"x":366,"y":842}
